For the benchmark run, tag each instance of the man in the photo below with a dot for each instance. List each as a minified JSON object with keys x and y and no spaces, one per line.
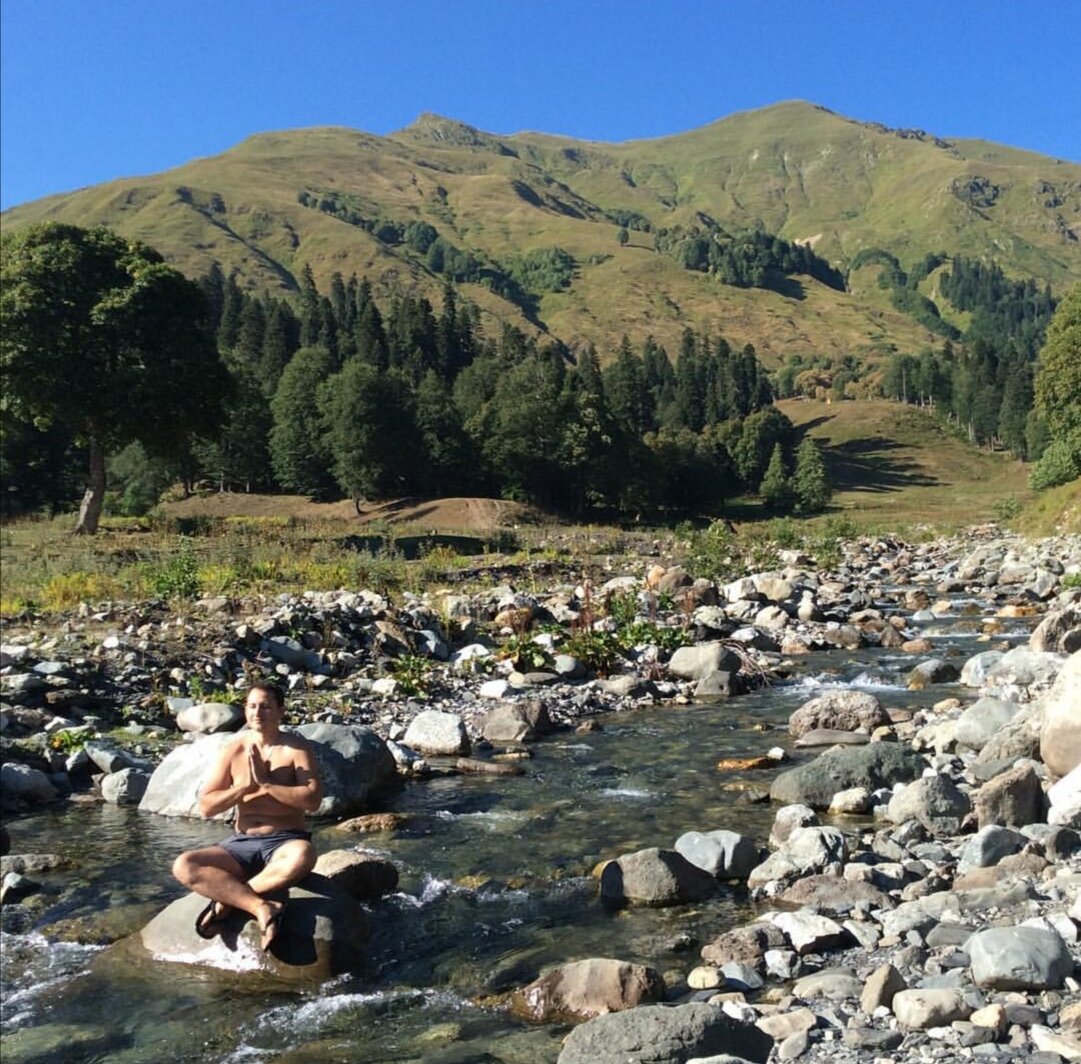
{"x":272,"y":780}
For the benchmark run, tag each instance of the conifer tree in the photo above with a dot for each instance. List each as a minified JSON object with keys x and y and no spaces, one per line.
{"x":298,"y":454}
{"x":810,"y":483}
{"x":775,"y":489}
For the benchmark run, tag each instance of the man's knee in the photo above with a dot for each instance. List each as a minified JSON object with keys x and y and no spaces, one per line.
{"x":184,"y":867}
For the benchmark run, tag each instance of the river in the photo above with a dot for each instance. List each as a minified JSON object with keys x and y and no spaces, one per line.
{"x":495,"y":885}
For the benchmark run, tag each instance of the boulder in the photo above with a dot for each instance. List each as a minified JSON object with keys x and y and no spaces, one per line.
{"x":932,"y":671}
{"x":434,"y":732}
{"x":833,"y":894}
{"x":1011,"y":799}
{"x":25,"y":783}
{"x":882,"y":986}
{"x":975,"y":669}
{"x":1021,"y":669}
{"x":364,"y":876}
{"x":873,"y":766}
{"x":323,"y":934}
{"x":787,"y":819}
{"x":839,"y":711}
{"x":695,"y":662}
{"x":988,"y":846}
{"x":1019,"y":737}
{"x":1059,"y":632}
{"x":517,"y":722}
{"x":125,"y":787}
{"x":672,"y":1035}
{"x":584,"y":989}
{"x":1019,"y":958}
{"x":654,"y":877}
{"x":724,"y":854}
{"x":833,"y":984}
{"x":934,"y":802}
{"x":353,"y":762}
{"x":807,"y":851}
{"x":809,"y":932}
{"x":1060,"y":737}
{"x":746,"y":945}
{"x":982,"y":720}
{"x":210,"y":717}
{"x":919,"y":1009}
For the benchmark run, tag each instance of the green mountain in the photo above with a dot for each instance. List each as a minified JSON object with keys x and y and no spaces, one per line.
{"x":588,"y":241}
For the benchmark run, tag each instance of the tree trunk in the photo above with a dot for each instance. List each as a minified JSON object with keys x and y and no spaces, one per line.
{"x":94,"y":496}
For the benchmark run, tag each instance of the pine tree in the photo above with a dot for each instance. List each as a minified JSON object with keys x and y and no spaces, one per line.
{"x":810,"y":484}
{"x":775,"y":490}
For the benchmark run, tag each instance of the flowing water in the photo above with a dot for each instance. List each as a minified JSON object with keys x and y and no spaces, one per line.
{"x":495,"y":885}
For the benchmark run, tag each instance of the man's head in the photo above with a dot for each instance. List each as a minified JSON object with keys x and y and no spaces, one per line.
{"x":264,"y":706}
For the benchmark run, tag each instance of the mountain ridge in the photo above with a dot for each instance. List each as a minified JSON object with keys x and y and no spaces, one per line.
{"x":794,"y":169}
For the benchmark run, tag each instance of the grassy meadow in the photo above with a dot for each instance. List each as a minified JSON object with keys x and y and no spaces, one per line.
{"x":895,"y":470}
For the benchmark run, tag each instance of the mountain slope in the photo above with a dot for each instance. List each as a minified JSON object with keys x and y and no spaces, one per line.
{"x":794,"y":169}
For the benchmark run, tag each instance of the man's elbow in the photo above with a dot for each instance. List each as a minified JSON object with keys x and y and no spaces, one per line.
{"x":312,"y":801}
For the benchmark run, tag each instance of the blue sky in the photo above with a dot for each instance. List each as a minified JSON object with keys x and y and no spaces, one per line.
{"x":93,"y":90}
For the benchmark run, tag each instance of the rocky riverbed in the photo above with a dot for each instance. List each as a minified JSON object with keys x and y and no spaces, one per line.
{"x":917,"y":896}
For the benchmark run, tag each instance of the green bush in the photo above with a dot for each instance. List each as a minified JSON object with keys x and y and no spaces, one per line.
{"x":177,"y":577}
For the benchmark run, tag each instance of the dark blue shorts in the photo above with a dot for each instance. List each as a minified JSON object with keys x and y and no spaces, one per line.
{"x":252,"y":852}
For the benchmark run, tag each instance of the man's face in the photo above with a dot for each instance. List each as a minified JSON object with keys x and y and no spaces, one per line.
{"x":261,"y":710}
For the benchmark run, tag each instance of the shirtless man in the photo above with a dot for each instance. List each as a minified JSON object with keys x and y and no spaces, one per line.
{"x":272,"y":780}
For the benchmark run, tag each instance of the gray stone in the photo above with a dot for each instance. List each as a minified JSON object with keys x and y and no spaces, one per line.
{"x":744,"y":945}
{"x":583,"y":989}
{"x":873,"y":766}
{"x":834,"y":894}
{"x":831,"y":737}
{"x":932,"y":671}
{"x":210,"y":717}
{"x":982,"y":720}
{"x":125,"y":787}
{"x":715,"y":686}
{"x":934,"y":802}
{"x":291,"y":653}
{"x":694,"y":662}
{"x":108,"y":758}
{"x":25,"y":783}
{"x":511,"y":722}
{"x":324,"y":933}
{"x":787,"y":819}
{"x":364,"y":876}
{"x":437,"y":733}
{"x":724,"y":854}
{"x":808,"y":932}
{"x":988,"y":846}
{"x":806,"y":851}
{"x":663,"y":1035}
{"x":834,"y":984}
{"x":1019,"y":958}
{"x":974,"y":671}
{"x":917,"y":1010}
{"x":654,"y":877}
{"x":353,"y":763}
{"x":842,"y":710}
{"x":1022,"y":668}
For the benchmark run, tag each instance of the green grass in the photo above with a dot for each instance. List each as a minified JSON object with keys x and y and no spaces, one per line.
{"x":896,"y":464}
{"x":797,"y":169}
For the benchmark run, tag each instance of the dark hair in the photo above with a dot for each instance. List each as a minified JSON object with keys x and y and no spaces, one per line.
{"x":271,"y":689}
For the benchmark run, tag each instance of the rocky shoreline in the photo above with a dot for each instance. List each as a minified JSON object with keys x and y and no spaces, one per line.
{"x":941,"y":925}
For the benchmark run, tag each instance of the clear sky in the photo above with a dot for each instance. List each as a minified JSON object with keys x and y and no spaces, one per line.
{"x":92,"y":90}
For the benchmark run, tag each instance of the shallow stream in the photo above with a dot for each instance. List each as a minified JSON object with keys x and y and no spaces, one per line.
{"x":495,"y":885}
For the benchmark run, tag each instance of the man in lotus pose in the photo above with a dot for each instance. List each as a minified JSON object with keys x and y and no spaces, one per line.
{"x":272,"y":780}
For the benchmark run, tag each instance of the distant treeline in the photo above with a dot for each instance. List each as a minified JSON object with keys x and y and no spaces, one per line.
{"x":340,"y":396}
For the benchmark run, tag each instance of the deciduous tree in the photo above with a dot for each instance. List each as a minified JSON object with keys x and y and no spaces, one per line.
{"x":100,"y":335}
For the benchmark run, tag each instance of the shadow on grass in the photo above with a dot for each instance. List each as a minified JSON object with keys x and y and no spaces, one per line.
{"x":866,"y":465}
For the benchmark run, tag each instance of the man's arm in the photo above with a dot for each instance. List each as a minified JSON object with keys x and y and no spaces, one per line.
{"x":305,"y":794}
{"x":221,"y":791}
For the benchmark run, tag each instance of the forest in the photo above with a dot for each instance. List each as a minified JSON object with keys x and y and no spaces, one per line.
{"x":333,"y":395}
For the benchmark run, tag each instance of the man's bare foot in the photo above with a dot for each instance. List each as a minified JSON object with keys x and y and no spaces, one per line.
{"x":270,"y":924}
{"x":211,"y":921}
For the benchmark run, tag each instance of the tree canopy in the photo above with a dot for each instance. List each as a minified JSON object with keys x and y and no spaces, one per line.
{"x":101,"y":336}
